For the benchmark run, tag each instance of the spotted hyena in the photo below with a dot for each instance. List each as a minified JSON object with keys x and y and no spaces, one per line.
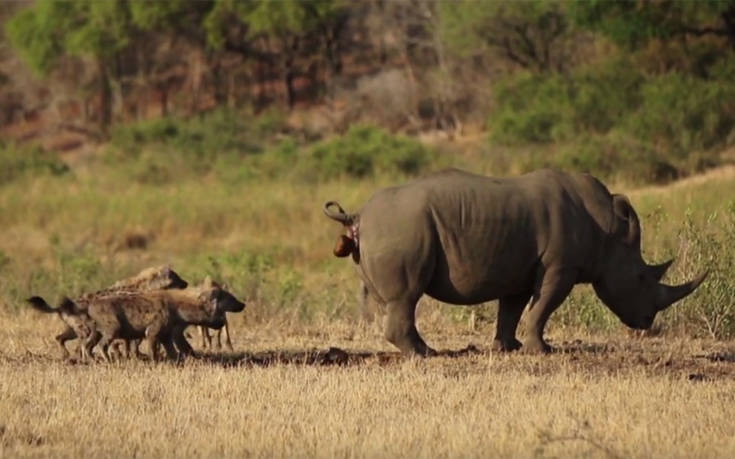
{"x":207,"y":338}
{"x":158,"y":316}
{"x":80,"y":325}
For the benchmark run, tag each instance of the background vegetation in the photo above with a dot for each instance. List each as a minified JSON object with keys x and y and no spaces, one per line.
{"x":208,"y":134}
{"x":633,"y":89}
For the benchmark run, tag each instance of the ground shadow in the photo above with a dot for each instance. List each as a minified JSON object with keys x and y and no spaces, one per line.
{"x":317,"y":357}
{"x":728,"y":357}
{"x":581,"y":347}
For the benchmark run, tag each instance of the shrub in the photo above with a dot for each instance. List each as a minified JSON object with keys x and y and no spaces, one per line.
{"x":18,"y":161}
{"x":710,"y":311}
{"x":158,"y":151}
{"x":237,"y":148}
{"x":531,"y":108}
{"x":203,"y":138}
{"x":553,"y":107}
{"x":365,"y":150}
{"x":611,"y":120}
{"x":680,"y":114}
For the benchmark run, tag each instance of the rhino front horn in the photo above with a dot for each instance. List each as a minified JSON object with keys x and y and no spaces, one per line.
{"x":669,"y":295}
{"x":658,"y":271}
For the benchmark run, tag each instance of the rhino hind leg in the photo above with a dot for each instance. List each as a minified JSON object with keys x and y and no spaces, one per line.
{"x":552,"y":290}
{"x":400,"y":329}
{"x":510,"y":310}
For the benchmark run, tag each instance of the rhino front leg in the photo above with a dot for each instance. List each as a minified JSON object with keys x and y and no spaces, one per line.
{"x":509,"y":313}
{"x":554,"y":287}
{"x":400,"y":329}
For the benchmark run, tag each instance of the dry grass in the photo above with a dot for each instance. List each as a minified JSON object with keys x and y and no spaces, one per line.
{"x":609,"y":393}
{"x":611,"y":397}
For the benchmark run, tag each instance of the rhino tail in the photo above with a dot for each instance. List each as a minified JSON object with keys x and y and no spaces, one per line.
{"x":39,"y":304}
{"x":339,"y":215}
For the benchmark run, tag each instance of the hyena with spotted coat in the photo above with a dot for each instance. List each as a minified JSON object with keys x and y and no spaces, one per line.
{"x":80,"y":325}
{"x":158,"y":316}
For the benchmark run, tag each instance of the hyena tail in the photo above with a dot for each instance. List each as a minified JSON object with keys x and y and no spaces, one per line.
{"x":39,"y":304}
{"x":70,"y":307}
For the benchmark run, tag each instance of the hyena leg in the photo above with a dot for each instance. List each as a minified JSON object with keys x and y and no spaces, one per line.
{"x":168,"y":345}
{"x":134,"y":348}
{"x":62,"y":338}
{"x":89,"y":343}
{"x":226,"y":331}
{"x":104,"y":346}
{"x":153,"y":336}
{"x":182,"y":344}
{"x":206,"y":338}
{"x":119,"y":349}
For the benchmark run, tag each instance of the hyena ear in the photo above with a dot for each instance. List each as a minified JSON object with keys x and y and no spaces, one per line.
{"x":207,"y":282}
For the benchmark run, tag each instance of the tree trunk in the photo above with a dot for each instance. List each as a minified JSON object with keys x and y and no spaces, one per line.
{"x":288,"y":80}
{"x":105,"y":117}
{"x":163,"y":91}
{"x":289,"y":73}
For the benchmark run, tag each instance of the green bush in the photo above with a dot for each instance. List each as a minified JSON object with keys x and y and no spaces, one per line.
{"x":365,"y":150}
{"x":611,"y":120}
{"x":222,"y":141}
{"x":237,"y":148}
{"x":543,"y":108}
{"x":202,"y":138}
{"x":680,"y":114}
{"x":531,"y":108}
{"x":615,"y":155}
{"x":17,"y":161}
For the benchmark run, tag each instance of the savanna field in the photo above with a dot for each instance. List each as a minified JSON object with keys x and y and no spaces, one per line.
{"x":208,"y":136}
{"x":311,"y":374}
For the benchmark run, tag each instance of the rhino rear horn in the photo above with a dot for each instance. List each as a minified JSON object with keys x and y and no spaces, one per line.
{"x":658,"y":271}
{"x":669,"y":295}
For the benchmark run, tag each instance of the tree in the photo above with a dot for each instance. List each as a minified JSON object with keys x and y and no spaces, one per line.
{"x":531,"y":34}
{"x":279,"y":33}
{"x":631,"y":23}
{"x":133,"y":45}
{"x":50,"y":30}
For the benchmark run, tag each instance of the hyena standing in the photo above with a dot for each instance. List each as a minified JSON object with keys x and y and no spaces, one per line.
{"x":159,"y":316}
{"x":207,"y":338}
{"x":80,"y":325}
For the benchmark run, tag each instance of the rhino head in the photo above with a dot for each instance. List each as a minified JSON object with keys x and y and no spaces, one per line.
{"x":627,"y":285}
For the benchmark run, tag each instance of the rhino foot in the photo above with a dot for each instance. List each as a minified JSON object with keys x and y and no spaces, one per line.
{"x":536,"y":346}
{"x":505,"y":345}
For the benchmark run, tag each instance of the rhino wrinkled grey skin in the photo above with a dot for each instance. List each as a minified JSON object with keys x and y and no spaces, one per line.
{"x":466,"y":239}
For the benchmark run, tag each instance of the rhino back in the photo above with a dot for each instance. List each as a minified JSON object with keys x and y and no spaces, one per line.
{"x":464,"y":238}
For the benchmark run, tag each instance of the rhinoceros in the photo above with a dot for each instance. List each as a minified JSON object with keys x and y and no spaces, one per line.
{"x":465,"y":239}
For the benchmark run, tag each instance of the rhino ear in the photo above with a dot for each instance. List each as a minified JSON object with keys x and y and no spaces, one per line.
{"x":624,"y":211}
